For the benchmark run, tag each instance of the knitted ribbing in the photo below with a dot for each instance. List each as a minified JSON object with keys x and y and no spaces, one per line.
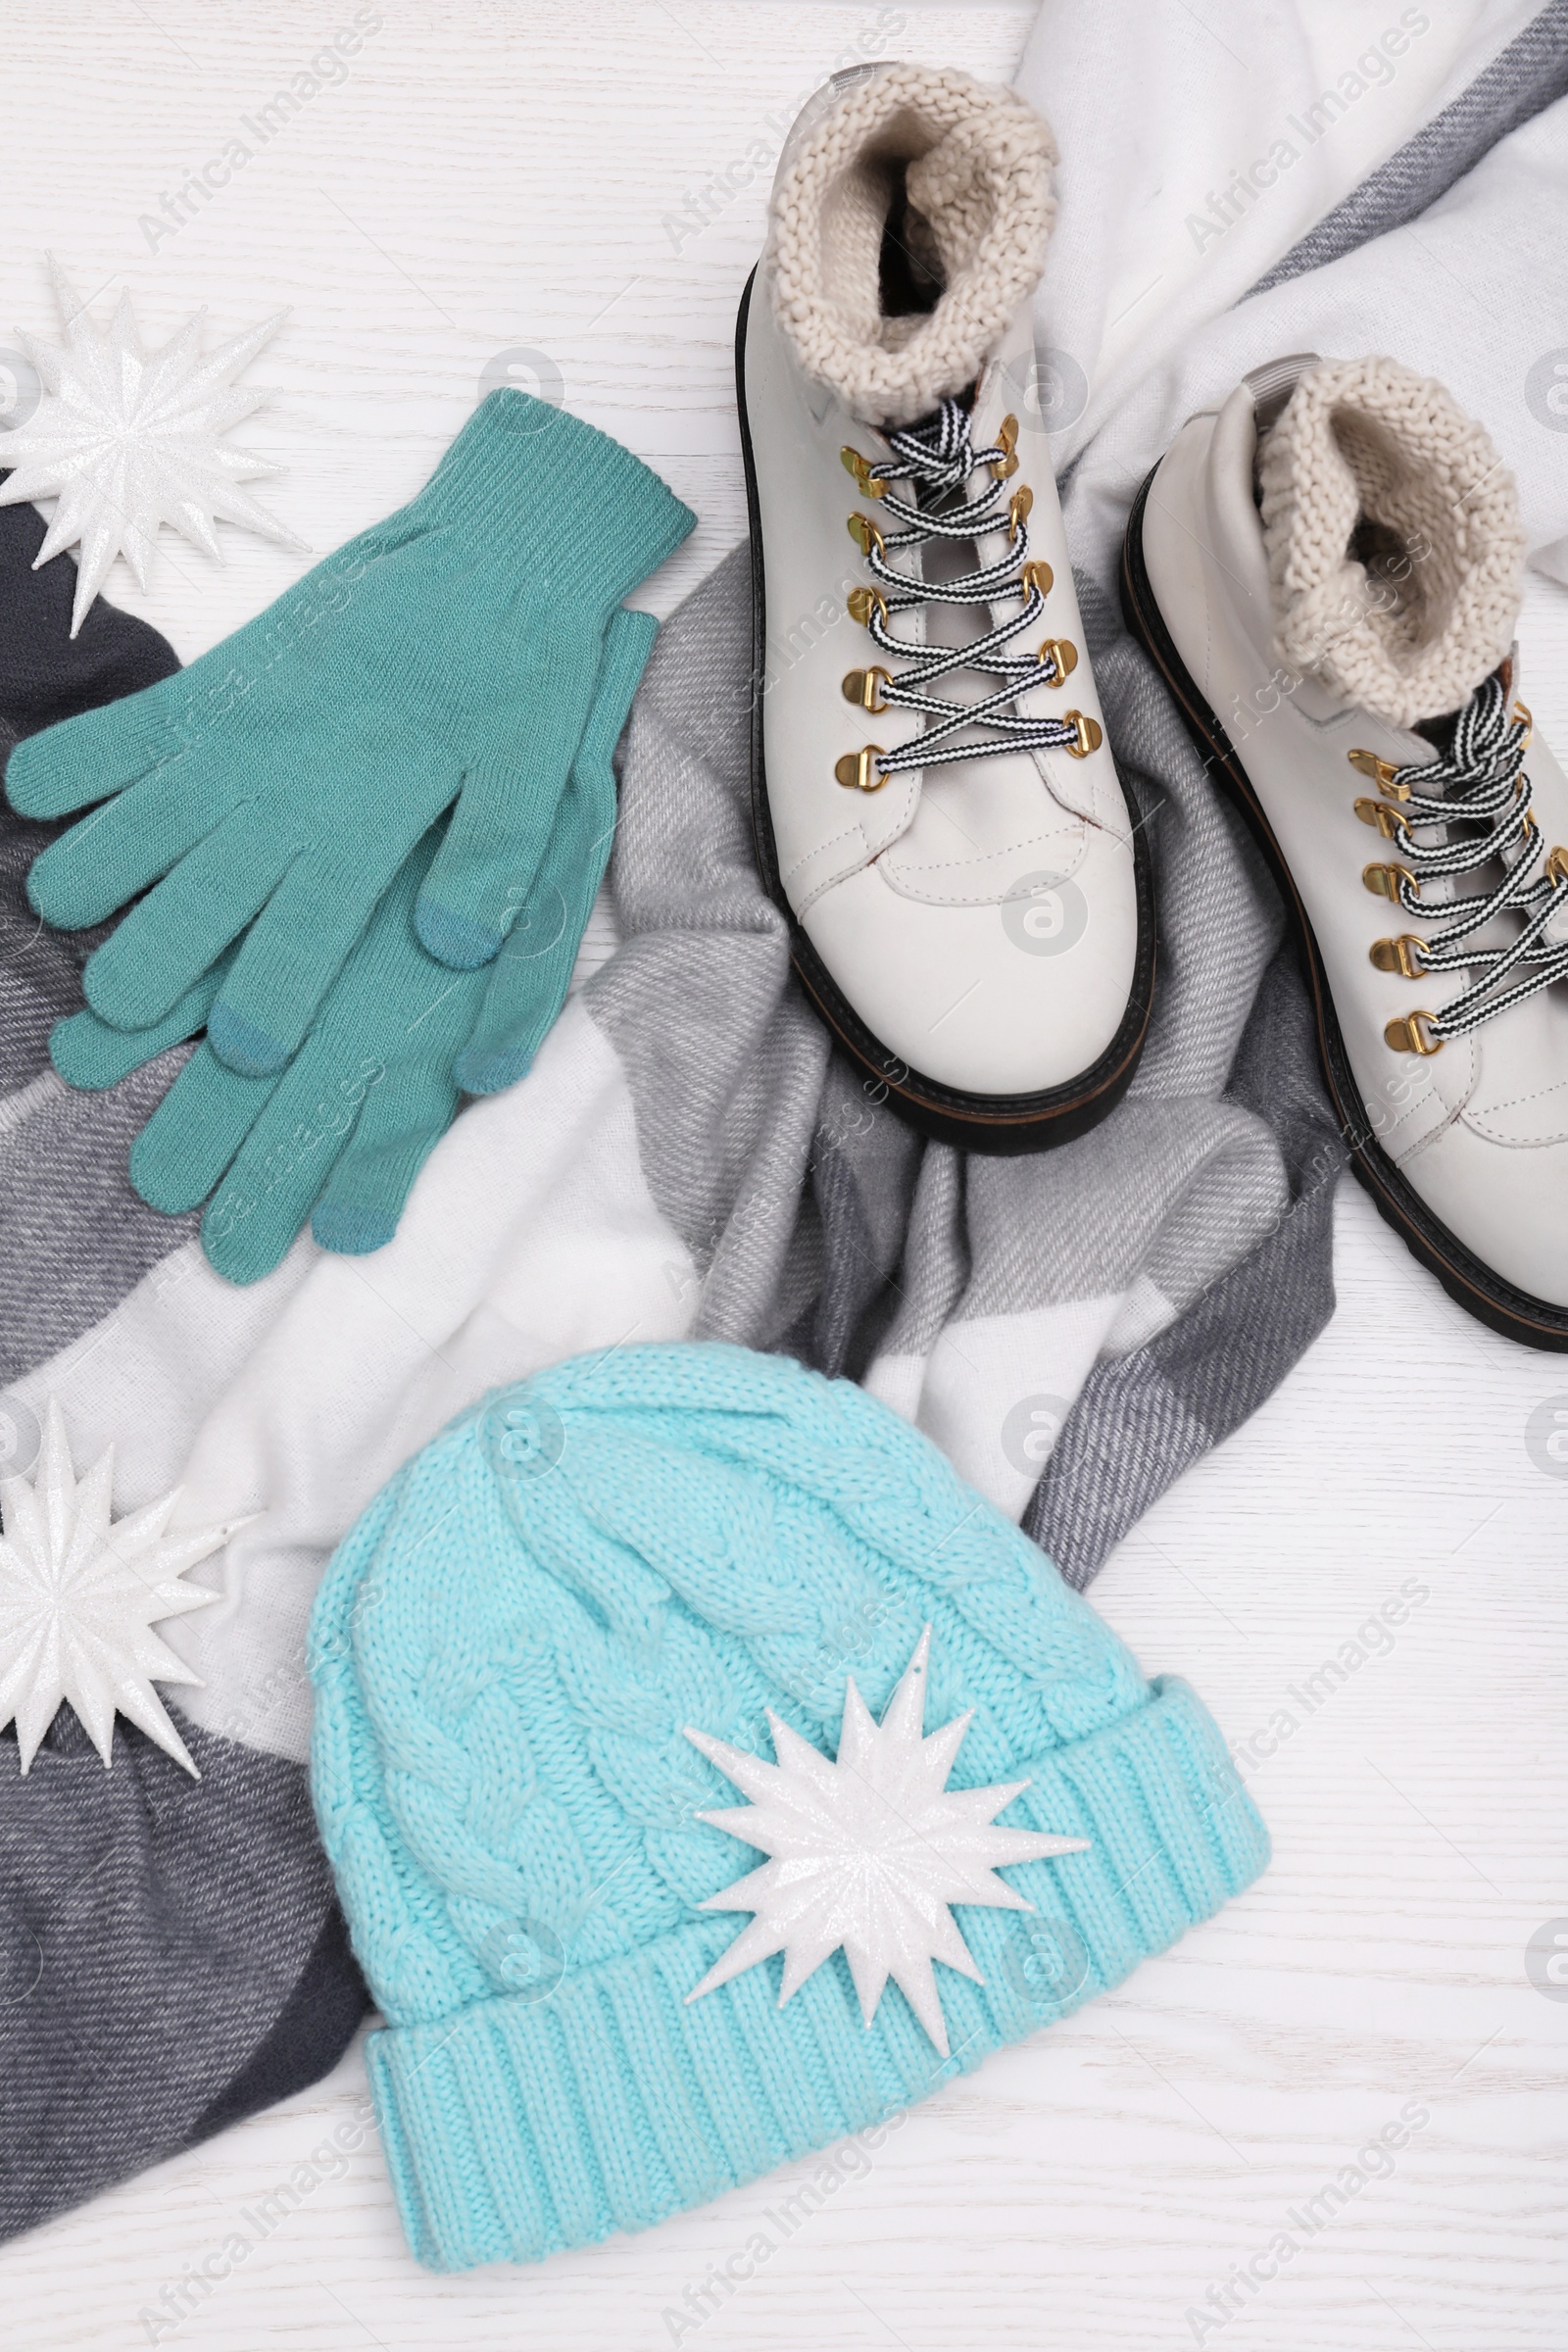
{"x":1395,"y":546}
{"x":979,"y":178}
{"x":506,"y":1650}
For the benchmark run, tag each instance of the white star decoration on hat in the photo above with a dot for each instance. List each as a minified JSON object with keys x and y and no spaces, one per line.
{"x":128,"y":438}
{"x":868,"y":1852}
{"x":79,"y":1596}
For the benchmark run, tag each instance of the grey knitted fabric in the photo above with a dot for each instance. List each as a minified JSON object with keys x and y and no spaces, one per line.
{"x":171,"y":1953}
{"x":40,"y":970}
{"x":171,"y":1957}
{"x":1521,"y":82}
{"x":823,"y":1226}
{"x":73,"y":1237}
{"x":1145,"y":1418}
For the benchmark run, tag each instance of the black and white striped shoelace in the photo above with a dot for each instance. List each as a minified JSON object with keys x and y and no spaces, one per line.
{"x":936,"y":459}
{"x":1475,"y":798}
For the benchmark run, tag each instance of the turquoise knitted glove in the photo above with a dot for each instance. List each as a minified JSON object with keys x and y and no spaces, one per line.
{"x":448,"y":655}
{"x":349,"y":1124}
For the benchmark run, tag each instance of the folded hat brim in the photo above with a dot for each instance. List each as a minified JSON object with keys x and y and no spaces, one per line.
{"x":521,"y":2127}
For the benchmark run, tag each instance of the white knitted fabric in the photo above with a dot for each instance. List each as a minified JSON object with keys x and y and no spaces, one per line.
{"x":979,"y":164}
{"x":1395,"y":546}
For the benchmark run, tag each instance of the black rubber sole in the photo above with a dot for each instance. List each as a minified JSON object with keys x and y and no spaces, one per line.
{"x":998,"y":1124}
{"x":1472,"y":1283}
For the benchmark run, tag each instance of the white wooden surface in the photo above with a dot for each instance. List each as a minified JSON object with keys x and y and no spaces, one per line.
{"x":495,"y":177}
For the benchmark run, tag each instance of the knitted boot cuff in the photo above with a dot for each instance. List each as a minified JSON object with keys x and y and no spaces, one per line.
{"x":1395,"y":547}
{"x":979,"y":164}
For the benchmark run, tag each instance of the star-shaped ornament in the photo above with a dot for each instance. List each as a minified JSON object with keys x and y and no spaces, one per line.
{"x":128,"y":438}
{"x":868,"y":1852}
{"x":79,"y":1596}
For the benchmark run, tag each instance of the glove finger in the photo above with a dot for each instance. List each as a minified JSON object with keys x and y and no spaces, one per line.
{"x":392,"y":1010}
{"x":195,"y":1133}
{"x":90,"y":1054}
{"x":531,"y":977}
{"x":102,"y":862}
{"x":484,"y":869}
{"x":180,"y":930}
{"x":527,"y":985}
{"x":99,"y":751}
{"x":628,"y":642}
{"x":403,"y":1119}
{"x":424,"y":1012}
{"x":284,"y":1160}
{"x":295,"y":950}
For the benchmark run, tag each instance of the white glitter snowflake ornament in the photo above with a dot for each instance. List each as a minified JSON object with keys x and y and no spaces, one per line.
{"x":868,"y":1852}
{"x":128,"y":438}
{"x":79,"y":1596}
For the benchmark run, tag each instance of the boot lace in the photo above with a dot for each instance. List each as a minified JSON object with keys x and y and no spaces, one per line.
{"x":1475,"y":798}
{"x":936,"y":459}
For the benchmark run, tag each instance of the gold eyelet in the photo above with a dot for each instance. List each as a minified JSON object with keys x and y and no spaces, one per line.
{"x":1557,"y":865}
{"x":1408,"y":1035}
{"x":1523,"y":711}
{"x":860,"y":468}
{"x":1007,"y":442}
{"x":1063,"y":653}
{"x":860,"y":686}
{"x":1389,"y":823}
{"x":856,"y":772}
{"x":1019,"y":506}
{"x":1090,"y":735}
{"x":1037,"y":577}
{"x":1387,"y":881}
{"x":866,"y":534}
{"x":1382,"y":774}
{"x":863,"y":602}
{"x":1401,"y":955}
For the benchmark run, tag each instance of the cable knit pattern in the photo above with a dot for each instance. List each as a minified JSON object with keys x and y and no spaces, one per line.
{"x":979,"y":177}
{"x":1395,"y":547}
{"x":506,"y":1650}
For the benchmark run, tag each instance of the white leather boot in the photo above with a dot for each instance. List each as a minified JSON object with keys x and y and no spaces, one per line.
{"x":1328,"y":573}
{"x":936,"y":808}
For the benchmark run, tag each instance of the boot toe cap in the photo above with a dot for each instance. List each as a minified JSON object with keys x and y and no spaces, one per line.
{"x":1009,"y":999}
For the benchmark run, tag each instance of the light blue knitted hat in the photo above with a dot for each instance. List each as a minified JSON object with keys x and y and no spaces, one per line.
{"x":509,"y":1651}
